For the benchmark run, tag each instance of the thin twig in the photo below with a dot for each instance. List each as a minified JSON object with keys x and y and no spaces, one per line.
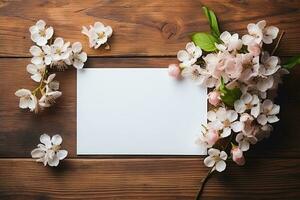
{"x":277,"y":44}
{"x":202,"y":184}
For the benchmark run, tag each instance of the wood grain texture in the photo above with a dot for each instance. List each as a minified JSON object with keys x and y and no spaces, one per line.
{"x":141,"y":28}
{"x":20,"y":130}
{"x":146,"y":34}
{"x":163,"y":179}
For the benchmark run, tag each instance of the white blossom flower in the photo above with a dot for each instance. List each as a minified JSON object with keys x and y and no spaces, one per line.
{"x":248,"y":102}
{"x":245,"y":140}
{"x":251,"y":67}
{"x":250,"y":127}
{"x":259,"y":32}
{"x":264,"y":132}
{"x":27,"y":99}
{"x":49,"y":97}
{"x":49,"y":151}
{"x":269,"y":34}
{"x":215,"y":65}
{"x":225,"y":121}
{"x":39,"y":55}
{"x":97,"y":34}
{"x":268,"y":112}
{"x":190,"y":55}
{"x":207,"y":139}
{"x":40,"y":34}
{"x":37,"y":71}
{"x":255,"y":33}
{"x":199,"y":75}
{"x":77,"y":57}
{"x":216,"y":159}
{"x":52,"y":84}
{"x":60,"y":50}
{"x":265,"y":83}
{"x":269,"y":64}
{"x":230,"y":42}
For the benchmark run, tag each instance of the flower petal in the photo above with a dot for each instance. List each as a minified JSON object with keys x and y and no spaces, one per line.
{"x":244,"y":145}
{"x":261,"y":24}
{"x":267,"y":105}
{"x":36,"y":77}
{"x":46,"y":140}
{"x":209,"y":161}
{"x":255,"y":111}
{"x":35,"y":50}
{"x":50,"y":78}
{"x":211,"y":115}
{"x":98,"y":26}
{"x":22,"y":92}
{"x":275,"y":110}
{"x":220,"y":166}
{"x":49,"y":33}
{"x":213,"y":152}
{"x":239,"y":137}
{"x":239,"y":106}
{"x":31,"y":68}
{"x":262,"y":119}
{"x":78,"y":64}
{"x":231,"y":115}
{"x":53,"y":162}
{"x":56,"y":139}
{"x":221,"y":114}
{"x":223,"y":155}
{"x":32,"y":103}
{"x":246,"y":98}
{"x":265,"y":84}
{"x":58,"y":42}
{"x":76,"y":47}
{"x":182,"y":55}
{"x":237,"y":126}
{"x":37,"y":153}
{"x":226,"y":132}
{"x":273,"y":119}
{"x":108,"y":31}
{"x":61,"y":154}
{"x":41,"y":24}
{"x":46,"y":49}
{"x":41,"y":41}
{"x":24,"y":102}
{"x":37,"y":60}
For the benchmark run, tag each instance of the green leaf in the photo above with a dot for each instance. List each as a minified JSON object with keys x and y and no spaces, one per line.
{"x":213,"y":22}
{"x":229,"y":96}
{"x":205,"y":41}
{"x":292,"y":62}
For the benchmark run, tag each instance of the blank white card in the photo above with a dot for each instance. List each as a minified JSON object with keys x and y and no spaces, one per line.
{"x":138,"y":112}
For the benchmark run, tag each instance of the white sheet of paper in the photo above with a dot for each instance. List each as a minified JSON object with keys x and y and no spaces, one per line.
{"x":138,"y":111}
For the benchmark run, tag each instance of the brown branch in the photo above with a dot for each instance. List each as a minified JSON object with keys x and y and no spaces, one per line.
{"x":278,"y":42}
{"x":202,"y":184}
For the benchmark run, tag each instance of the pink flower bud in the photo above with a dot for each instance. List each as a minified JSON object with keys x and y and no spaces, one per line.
{"x":237,"y":155}
{"x":254,"y":49}
{"x":214,"y":98}
{"x":212,"y":136}
{"x":174,"y":70}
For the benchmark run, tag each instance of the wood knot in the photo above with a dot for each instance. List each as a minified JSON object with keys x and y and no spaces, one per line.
{"x":168,"y":30}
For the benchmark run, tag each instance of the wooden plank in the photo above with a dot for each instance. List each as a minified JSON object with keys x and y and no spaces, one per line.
{"x":155,"y":28}
{"x":20,"y":130}
{"x":146,"y":179}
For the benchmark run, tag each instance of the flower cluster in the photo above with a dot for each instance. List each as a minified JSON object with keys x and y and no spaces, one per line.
{"x":98,"y":35}
{"x":240,"y":74}
{"x":47,"y":56}
{"x":49,"y":152}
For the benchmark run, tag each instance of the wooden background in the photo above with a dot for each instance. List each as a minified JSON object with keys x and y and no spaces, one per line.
{"x":146,"y":34}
